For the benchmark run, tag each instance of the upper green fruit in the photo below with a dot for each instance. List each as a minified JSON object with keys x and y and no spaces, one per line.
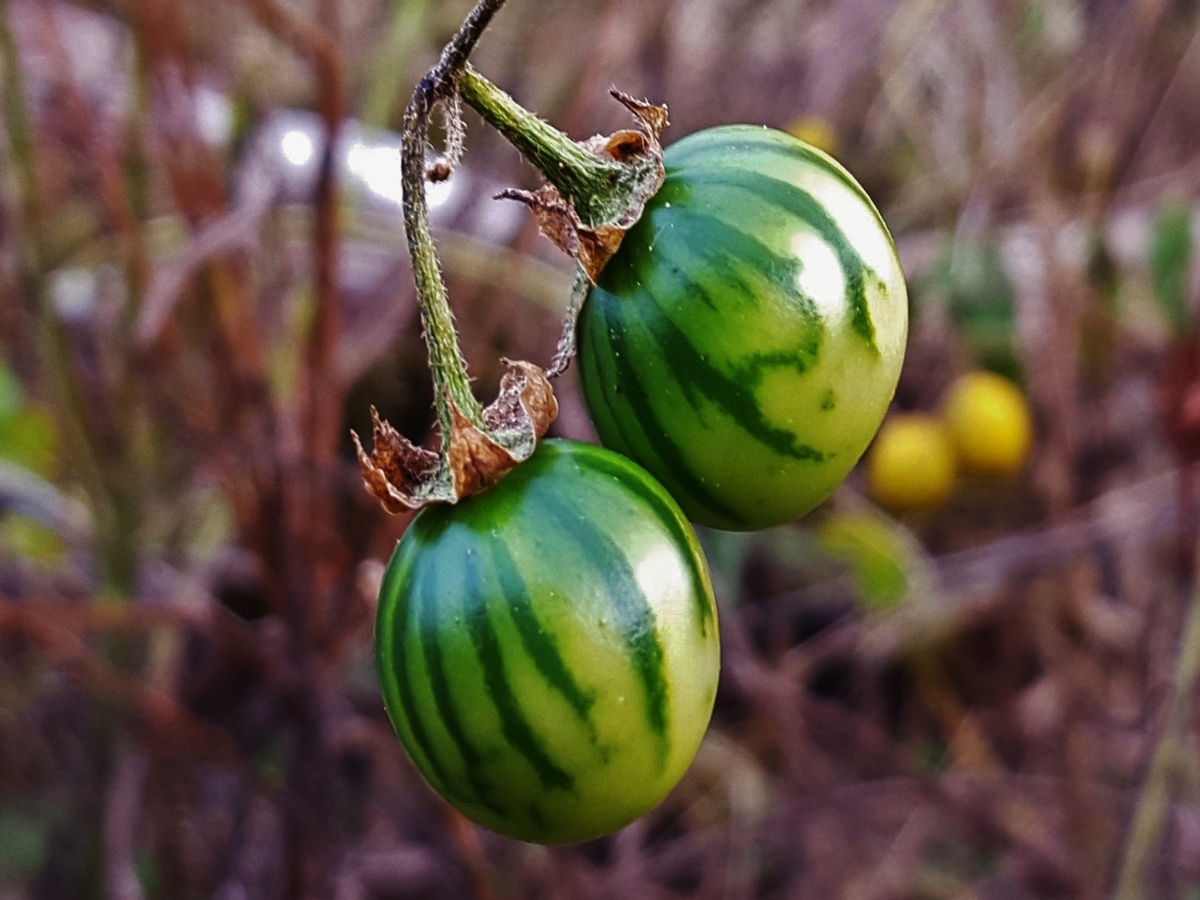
{"x":746,"y":339}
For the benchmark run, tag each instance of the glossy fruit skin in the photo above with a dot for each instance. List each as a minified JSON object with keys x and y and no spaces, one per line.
{"x":990,"y":424}
{"x":548,"y":650}
{"x":911,"y":464}
{"x":744,"y":342}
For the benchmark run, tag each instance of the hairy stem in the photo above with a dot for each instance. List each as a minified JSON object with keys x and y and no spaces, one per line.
{"x":449,"y":369}
{"x":591,"y":183}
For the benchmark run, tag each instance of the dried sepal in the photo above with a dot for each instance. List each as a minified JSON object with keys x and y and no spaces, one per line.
{"x":559,"y":223}
{"x":404,"y":477}
{"x":640,"y":152}
{"x":653,"y":118}
{"x":597,"y":246}
{"x":523,"y":409}
{"x":512,"y":425}
{"x":401,"y":475}
{"x":476,"y":461}
{"x":555,"y":215}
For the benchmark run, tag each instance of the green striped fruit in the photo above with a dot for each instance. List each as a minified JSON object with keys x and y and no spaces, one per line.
{"x":745,"y":341}
{"x":548,"y":649}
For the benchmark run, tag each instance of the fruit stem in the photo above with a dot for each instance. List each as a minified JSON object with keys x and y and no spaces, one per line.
{"x":449,"y":369}
{"x":596,"y":187}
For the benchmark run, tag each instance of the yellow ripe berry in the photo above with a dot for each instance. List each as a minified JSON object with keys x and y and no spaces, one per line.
{"x":816,"y":131}
{"x":989,"y":423}
{"x":911,"y":464}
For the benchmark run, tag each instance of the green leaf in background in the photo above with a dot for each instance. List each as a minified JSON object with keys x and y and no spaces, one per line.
{"x":1103,"y":273}
{"x":1098,"y":324}
{"x":1171,"y":264}
{"x":23,"y":843}
{"x":877,"y":560}
{"x":29,"y":438}
{"x":148,"y":871}
{"x":1032,"y":26}
{"x":270,"y":765}
{"x":933,"y":756}
{"x":27,"y":538}
{"x":11,"y":394}
{"x":981,"y":301}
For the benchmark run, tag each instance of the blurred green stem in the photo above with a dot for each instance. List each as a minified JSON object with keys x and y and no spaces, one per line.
{"x":404,"y":28}
{"x":1169,"y":763}
{"x":21,"y":143}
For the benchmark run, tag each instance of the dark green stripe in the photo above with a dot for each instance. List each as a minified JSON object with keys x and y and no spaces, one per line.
{"x":680,"y":532}
{"x":512,"y":720}
{"x":709,"y":238}
{"x":539,"y":642}
{"x":726,"y":144}
{"x":803,"y":205}
{"x":633,"y":612}
{"x":536,"y":817}
{"x":431,"y":623}
{"x":732,"y":395}
{"x":394,"y":628}
{"x":713,"y":251}
{"x":606,"y":318}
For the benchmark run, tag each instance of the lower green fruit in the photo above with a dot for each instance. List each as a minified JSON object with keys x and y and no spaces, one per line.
{"x":548,"y":650}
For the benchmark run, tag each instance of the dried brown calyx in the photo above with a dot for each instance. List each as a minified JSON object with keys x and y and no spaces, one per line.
{"x":405,"y":477}
{"x":638,"y":151}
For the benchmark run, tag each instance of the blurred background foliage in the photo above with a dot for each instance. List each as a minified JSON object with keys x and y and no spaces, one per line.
{"x":983,"y":690}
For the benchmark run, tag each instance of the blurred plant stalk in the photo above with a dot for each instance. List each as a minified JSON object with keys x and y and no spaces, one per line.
{"x":98,"y":441}
{"x":1171,"y":767}
{"x":117,"y":439}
